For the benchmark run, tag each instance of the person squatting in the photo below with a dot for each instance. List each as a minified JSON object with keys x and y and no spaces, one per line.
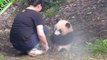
{"x":28,"y":29}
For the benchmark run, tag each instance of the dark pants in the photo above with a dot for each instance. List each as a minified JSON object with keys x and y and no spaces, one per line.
{"x":35,"y":40}
{"x":28,"y":44}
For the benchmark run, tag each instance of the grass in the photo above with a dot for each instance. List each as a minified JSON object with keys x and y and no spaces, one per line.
{"x":99,"y":46}
{"x":2,"y":57}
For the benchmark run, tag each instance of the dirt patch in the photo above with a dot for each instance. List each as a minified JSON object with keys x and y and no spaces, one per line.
{"x":89,"y":21}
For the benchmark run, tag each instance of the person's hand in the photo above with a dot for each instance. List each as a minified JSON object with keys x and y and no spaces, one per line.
{"x":46,"y":47}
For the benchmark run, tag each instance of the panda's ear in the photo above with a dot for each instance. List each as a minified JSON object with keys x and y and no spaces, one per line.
{"x":68,"y":25}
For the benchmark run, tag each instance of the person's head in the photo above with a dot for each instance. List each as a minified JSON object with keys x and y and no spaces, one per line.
{"x":37,"y":4}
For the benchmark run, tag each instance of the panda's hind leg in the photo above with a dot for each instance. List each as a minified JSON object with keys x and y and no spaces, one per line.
{"x":64,"y":47}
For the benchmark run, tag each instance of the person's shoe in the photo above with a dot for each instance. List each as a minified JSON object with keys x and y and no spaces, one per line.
{"x":35,"y":52}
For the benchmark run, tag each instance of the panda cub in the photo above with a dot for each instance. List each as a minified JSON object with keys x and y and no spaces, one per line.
{"x":62,"y":35}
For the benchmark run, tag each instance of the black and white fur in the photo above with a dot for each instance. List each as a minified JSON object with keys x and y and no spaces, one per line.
{"x":62,"y":35}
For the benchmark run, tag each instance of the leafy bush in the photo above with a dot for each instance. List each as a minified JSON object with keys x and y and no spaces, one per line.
{"x":51,"y":11}
{"x":52,"y":7}
{"x":21,"y":3}
{"x":99,"y":46}
{"x":52,"y":3}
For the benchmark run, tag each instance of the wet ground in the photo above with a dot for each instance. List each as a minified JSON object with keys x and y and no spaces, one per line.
{"x":89,"y":20}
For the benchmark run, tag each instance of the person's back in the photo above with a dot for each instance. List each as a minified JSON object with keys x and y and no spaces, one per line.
{"x":27,"y":29}
{"x":23,"y":28}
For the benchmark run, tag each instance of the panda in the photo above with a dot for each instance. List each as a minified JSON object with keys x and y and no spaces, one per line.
{"x":62,"y":36}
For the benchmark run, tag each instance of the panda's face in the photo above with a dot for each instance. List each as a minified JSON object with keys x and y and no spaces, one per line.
{"x":62,"y":27}
{"x":57,"y":32}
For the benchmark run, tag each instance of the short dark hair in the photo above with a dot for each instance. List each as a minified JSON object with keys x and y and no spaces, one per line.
{"x":36,"y":2}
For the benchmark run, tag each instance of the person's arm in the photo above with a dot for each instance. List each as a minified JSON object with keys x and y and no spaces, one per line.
{"x":42,"y":37}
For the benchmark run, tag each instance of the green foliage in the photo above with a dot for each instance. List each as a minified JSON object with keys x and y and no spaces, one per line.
{"x":52,"y":7}
{"x":22,"y":4}
{"x":4,"y":4}
{"x":1,"y":57}
{"x":99,"y":46}
{"x":52,"y":3}
{"x":51,"y":11}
